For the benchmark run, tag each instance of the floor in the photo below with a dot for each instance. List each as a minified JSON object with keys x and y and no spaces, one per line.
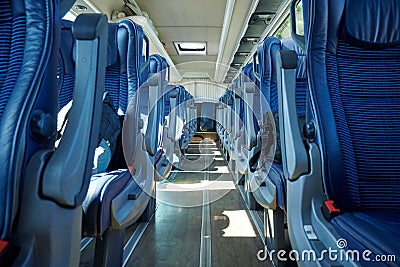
{"x":201,"y":218}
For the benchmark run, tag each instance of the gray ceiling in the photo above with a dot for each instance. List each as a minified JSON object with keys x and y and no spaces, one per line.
{"x":189,"y":20}
{"x":202,"y":20}
{"x":259,"y":20}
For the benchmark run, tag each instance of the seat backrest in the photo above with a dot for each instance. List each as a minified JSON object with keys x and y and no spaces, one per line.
{"x":267,"y":73}
{"x":28,"y":94}
{"x":353,"y":57}
{"x":133,"y":42}
{"x":133,"y":47}
{"x":159,"y":65}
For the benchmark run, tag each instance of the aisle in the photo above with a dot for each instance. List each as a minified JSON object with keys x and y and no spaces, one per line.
{"x":201,"y":219}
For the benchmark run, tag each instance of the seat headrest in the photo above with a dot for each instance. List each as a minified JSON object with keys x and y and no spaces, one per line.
{"x":182,"y":93}
{"x":266,"y":53}
{"x":372,"y":24}
{"x":301,"y":64}
{"x":173,"y":90}
{"x":157,"y":63}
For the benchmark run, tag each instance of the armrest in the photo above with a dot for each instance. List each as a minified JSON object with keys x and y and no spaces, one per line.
{"x":294,"y":155}
{"x":67,"y":175}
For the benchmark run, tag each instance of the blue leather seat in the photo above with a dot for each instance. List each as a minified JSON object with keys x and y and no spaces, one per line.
{"x":353,"y":54}
{"x":123,"y":78}
{"x":27,"y":84}
{"x":267,"y":76}
{"x":34,"y":176}
{"x":96,"y":217}
{"x":159,"y":65}
{"x":108,"y":209}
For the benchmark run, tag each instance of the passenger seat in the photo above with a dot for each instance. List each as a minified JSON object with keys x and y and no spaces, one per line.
{"x":350,"y":193}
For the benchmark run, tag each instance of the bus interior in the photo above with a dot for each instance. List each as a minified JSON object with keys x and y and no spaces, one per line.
{"x":200,"y":133}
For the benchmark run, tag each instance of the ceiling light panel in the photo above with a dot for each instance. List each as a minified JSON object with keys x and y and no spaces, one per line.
{"x":191,"y":48}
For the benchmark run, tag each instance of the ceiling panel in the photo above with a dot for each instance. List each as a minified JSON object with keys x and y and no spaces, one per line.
{"x":261,"y":18}
{"x":184,"y":13}
{"x":206,"y":34}
{"x":189,"y":20}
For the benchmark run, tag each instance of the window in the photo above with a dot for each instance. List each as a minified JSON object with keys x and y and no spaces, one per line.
{"x":284,"y":31}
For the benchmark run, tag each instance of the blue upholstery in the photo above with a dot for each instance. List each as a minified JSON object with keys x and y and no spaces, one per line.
{"x":130,"y":38}
{"x":373,"y":230}
{"x":267,"y":75}
{"x":239,"y":110}
{"x":266,"y":53}
{"x":27,"y":83}
{"x":11,"y":51}
{"x":354,"y":84}
{"x":380,"y":16}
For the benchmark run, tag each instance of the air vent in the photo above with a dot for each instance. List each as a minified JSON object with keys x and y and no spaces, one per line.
{"x":266,"y":18}
{"x":191,"y":48}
